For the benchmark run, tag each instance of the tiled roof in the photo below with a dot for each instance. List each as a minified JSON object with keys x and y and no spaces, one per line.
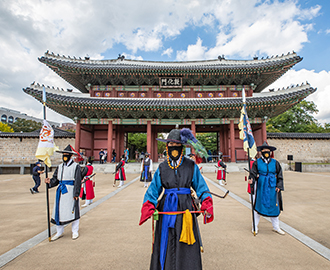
{"x":288,"y":135}
{"x":80,"y":72}
{"x":83,"y":106}
{"x":58,"y":133}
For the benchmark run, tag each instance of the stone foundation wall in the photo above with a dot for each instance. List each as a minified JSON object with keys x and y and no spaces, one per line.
{"x":22,"y":150}
{"x":303,"y":150}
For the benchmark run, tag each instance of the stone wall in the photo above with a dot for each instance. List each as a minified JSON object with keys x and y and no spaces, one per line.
{"x":22,"y":150}
{"x":303,"y":150}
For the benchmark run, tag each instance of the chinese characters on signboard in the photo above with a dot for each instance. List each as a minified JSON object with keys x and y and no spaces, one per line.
{"x":170,"y":82}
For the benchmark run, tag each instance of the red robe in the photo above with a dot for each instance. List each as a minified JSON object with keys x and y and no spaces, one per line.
{"x":120,"y":171}
{"x":221,"y":172}
{"x":88,"y":185}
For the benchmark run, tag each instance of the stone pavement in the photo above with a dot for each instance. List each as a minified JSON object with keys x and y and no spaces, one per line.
{"x":110,"y":237}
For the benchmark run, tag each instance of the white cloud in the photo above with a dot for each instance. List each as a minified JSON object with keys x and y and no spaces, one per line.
{"x":168,"y":52}
{"x":194,"y":52}
{"x":319,"y":80}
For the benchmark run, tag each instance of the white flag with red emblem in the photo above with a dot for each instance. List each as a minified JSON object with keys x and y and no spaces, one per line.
{"x":46,"y":146}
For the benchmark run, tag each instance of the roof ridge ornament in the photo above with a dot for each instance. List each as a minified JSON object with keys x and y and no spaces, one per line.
{"x":121,"y":57}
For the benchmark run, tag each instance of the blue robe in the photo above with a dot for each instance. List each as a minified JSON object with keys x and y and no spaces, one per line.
{"x":268,"y":201}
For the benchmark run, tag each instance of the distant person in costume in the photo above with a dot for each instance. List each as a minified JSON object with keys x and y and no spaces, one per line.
{"x":101,"y":154}
{"x":126,"y":153}
{"x":114,"y":154}
{"x":87,"y":186}
{"x":221,"y":176}
{"x":67,"y":177}
{"x":36,"y":177}
{"x":146,"y":169}
{"x":267,"y":178}
{"x":120,"y":171}
{"x":176,"y":176}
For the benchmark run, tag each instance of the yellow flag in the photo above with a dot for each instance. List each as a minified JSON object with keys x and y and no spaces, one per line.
{"x":46,"y":146}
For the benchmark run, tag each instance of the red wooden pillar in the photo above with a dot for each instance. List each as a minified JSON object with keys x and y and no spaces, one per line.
{"x":110,"y":127}
{"x":221,"y":140}
{"x":77,"y":137}
{"x":263,"y":132}
{"x":149,"y":137}
{"x":232,"y":141}
{"x":154,"y":156}
{"x":121,"y":138}
{"x":117,"y":142}
{"x":193,"y":127}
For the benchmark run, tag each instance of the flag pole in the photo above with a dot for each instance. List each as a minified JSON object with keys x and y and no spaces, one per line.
{"x":46,"y":170}
{"x":249,"y":166}
{"x":251,"y":195}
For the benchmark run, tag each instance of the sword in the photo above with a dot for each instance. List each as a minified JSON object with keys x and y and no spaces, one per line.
{"x":221,"y":167}
{"x":88,"y":178}
{"x":222,"y":197}
{"x":74,"y":205}
{"x":199,"y":234}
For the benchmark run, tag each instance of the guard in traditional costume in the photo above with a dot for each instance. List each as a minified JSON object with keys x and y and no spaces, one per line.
{"x":267,"y":179}
{"x":146,"y":169}
{"x":67,"y":177}
{"x":176,"y":244}
{"x":87,"y":186}
{"x":120,"y":171}
{"x":221,"y":176}
{"x":36,"y":177}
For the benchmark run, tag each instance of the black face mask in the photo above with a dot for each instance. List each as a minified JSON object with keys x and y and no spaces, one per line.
{"x":66,"y":158}
{"x":266,"y":154}
{"x":174,"y":152}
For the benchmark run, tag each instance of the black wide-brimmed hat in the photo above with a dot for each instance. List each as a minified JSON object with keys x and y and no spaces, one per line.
{"x":67,"y":150}
{"x":266,"y":146}
{"x":146,"y":154}
{"x":173,"y":136}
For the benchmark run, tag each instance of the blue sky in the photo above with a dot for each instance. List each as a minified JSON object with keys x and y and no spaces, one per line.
{"x":168,"y":30}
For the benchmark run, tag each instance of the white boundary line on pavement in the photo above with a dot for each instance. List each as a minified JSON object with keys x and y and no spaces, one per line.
{"x":20,"y":249}
{"x":309,"y":242}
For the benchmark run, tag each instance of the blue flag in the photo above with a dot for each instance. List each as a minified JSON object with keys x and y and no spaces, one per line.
{"x":245,"y":133}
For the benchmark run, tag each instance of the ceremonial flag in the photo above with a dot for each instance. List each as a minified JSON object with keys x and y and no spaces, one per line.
{"x":245,"y":133}
{"x":46,"y":146}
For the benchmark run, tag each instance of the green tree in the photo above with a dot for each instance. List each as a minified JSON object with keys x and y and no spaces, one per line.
{"x":137,"y":141}
{"x":25,"y":125}
{"x":5,"y":127}
{"x":208,"y":140}
{"x":299,"y":118}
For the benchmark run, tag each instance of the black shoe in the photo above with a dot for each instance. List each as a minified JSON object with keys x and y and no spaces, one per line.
{"x":32,"y":191}
{"x":37,"y":191}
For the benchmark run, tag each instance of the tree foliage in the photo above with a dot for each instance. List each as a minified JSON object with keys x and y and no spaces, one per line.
{"x":5,"y":127}
{"x":299,"y":118}
{"x":208,"y":140}
{"x":25,"y":125}
{"x":138,"y":142}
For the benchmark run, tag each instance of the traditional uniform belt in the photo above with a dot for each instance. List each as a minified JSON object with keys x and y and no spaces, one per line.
{"x":60,"y":189}
{"x":170,"y":205}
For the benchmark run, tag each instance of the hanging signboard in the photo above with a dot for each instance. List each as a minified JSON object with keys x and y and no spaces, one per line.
{"x":170,"y":82}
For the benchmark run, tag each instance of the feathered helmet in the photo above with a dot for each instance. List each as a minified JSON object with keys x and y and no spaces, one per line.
{"x":185,"y":136}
